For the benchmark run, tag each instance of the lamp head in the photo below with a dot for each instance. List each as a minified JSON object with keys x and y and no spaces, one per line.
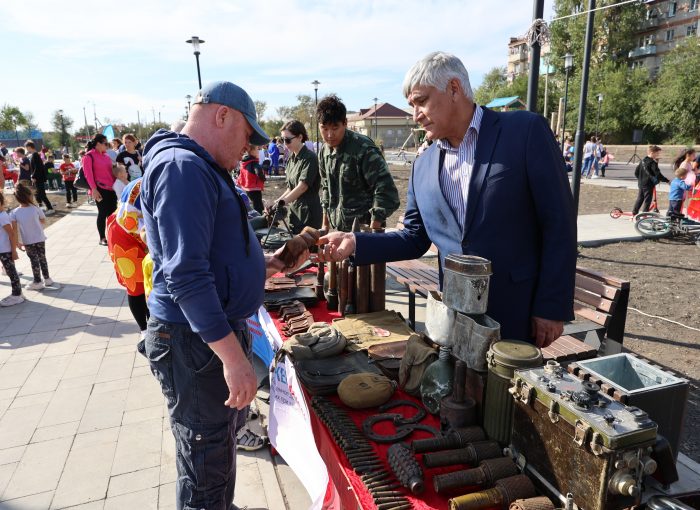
{"x":568,"y":62}
{"x":195,"y":42}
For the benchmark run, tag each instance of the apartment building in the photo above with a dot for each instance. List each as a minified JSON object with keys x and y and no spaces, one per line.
{"x":519,"y":58}
{"x":666,"y":24}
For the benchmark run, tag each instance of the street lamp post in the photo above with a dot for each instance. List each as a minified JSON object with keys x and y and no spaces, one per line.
{"x":316,"y":83}
{"x":187,"y":109}
{"x":195,"y":42}
{"x":597,"y":119}
{"x":376,"y":128}
{"x":63,"y":128}
{"x":534,"y":74}
{"x":568,"y":66}
{"x":87,"y":129}
{"x":580,"y":134}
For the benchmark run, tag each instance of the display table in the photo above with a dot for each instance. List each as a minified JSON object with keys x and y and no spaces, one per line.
{"x":352,"y":492}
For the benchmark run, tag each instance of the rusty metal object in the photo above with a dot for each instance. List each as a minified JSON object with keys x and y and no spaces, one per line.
{"x":485,"y":475}
{"x":405,"y":467}
{"x":456,"y":438}
{"x":320,"y":277}
{"x":471,"y":455}
{"x":351,"y":292}
{"x":363,"y":284}
{"x":377,"y":290}
{"x":538,"y":503}
{"x":332,"y":297}
{"x":343,"y":287}
{"x":457,"y":410}
{"x":501,"y":496}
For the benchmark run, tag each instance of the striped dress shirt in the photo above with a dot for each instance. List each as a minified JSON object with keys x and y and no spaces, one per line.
{"x":456,"y":171}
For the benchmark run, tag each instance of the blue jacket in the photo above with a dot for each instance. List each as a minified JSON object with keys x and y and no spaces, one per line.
{"x":520,"y":216}
{"x":205,"y":272}
{"x":274,"y":153}
{"x":678,"y":187}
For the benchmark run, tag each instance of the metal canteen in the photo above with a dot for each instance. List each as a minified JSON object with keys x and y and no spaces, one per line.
{"x":439,"y":320}
{"x":466,"y":283}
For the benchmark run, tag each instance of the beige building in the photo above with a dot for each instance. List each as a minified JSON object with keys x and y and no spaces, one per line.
{"x":519,"y":58}
{"x":389,"y":124}
{"x":666,"y":24}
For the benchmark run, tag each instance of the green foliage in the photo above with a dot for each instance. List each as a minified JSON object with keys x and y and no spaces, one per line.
{"x":12,"y":118}
{"x":672,"y":105}
{"x":61,"y":123}
{"x":260,"y":107}
{"x":492,"y":85}
{"x":272,"y":127}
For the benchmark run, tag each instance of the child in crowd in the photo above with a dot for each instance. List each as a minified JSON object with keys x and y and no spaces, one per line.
{"x":53,"y":178}
{"x":30,"y":219}
{"x":122,"y":178}
{"x":8,"y":255}
{"x":68,"y":172}
{"x":25,"y":171}
{"x":678,"y":187}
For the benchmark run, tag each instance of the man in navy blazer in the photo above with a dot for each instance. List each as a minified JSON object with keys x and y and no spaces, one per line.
{"x":493,"y":185}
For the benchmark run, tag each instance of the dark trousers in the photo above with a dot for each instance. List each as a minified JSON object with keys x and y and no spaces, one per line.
{"x":644,"y":198}
{"x":139,"y":309}
{"x":105,"y":207}
{"x":37,"y":257}
{"x":11,"y":270}
{"x":71,"y":192}
{"x":674,"y":207}
{"x":192,"y":380}
{"x":256,"y":199}
{"x":41,"y":195}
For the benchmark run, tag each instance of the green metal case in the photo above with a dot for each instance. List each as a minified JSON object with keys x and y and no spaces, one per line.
{"x":579,"y":440}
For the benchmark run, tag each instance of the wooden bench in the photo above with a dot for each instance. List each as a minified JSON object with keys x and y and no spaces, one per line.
{"x":600,"y":306}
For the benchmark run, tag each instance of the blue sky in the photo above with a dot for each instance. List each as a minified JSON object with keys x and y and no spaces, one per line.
{"x":131,"y":56}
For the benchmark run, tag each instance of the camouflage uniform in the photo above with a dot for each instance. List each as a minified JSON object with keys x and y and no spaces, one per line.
{"x":355,"y":182}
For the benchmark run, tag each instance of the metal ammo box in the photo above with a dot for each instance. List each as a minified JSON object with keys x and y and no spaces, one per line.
{"x":575,"y":439}
{"x":635,"y":382}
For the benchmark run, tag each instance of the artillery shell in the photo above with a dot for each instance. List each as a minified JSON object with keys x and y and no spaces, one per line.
{"x":394,"y":505}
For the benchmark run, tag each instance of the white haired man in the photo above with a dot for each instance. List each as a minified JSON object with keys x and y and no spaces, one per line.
{"x":493,"y":185}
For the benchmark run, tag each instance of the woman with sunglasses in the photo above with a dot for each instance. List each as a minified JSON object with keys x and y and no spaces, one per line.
{"x":303,"y":180}
{"x":97,"y":167}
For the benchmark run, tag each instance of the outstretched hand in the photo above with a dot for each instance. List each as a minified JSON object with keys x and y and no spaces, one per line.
{"x":337,"y":246}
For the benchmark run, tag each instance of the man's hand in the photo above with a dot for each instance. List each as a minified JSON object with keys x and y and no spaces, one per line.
{"x":546,"y":331}
{"x":337,"y":246}
{"x":238,"y":372}
{"x":274,"y":265}
{"x":376,"y":224}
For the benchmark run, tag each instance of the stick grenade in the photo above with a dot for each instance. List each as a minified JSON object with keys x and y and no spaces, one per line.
{"x":332,"y":303}
{"x":377,"y":292}
{"x":350,"y":305}
{"x":343,"y":287}
{"x":363,"y":284}
{"x":320,"y":275}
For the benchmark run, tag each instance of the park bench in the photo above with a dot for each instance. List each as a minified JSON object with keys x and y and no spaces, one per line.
{"x":600,"y":307}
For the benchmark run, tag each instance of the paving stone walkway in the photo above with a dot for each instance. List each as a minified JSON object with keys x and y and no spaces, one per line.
{"x":83,"y":423}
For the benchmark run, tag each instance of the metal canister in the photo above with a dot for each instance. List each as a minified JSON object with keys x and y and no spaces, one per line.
{"x":503,"y":359}
{"x":466,"y":283}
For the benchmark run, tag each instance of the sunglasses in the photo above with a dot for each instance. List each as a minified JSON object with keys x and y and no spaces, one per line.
{"x":287,"y":141}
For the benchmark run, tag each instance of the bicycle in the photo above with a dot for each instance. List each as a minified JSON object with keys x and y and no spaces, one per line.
{"x":616,"y":212}
{"x":676,"y":225}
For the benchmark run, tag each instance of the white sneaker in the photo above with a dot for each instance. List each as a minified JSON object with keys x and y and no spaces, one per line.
{"x":48,"y":282}
{"x":49,"y":212}
{"x":34,"y":286}
{"x":594,"y":177}
{"x":12,"y":300}
{"x":69,"y":205}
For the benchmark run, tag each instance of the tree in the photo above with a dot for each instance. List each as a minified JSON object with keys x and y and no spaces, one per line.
{"x":272,"y":127}
{"x":672,"y":104}
{"x":260,"y":107}
{"x":11,"y":118}
{"x":61,"y":123}
{"x":492,"y":86}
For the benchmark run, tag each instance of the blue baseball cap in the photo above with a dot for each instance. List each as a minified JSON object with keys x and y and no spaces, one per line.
{"x":233,"y":96}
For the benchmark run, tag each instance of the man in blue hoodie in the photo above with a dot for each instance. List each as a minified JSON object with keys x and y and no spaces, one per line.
{"x":208,"y":276}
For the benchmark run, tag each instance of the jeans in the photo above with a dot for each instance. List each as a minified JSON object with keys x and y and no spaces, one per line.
{"x":192,"y":380}
{"x":587,"y":163}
